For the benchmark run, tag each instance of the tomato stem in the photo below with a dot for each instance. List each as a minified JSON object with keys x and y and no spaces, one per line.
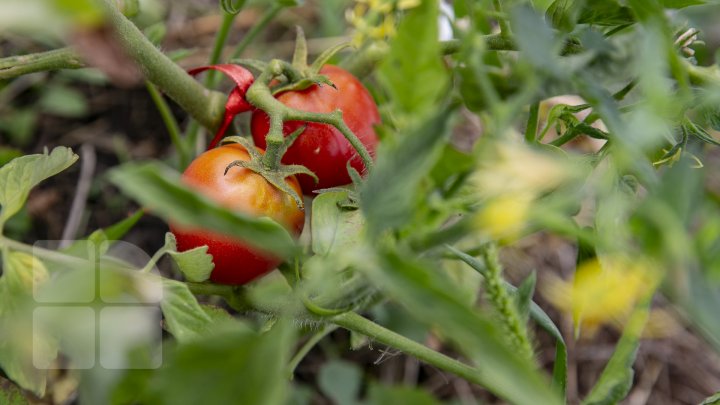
{"x":261,"y":97}
{"x":356,"y":323}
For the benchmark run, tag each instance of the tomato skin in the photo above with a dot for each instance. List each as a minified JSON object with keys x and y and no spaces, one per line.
{"x":244,"y":191}
{"x":321,"y":147}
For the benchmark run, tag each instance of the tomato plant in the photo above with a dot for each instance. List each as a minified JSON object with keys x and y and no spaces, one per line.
{"x":244,"y":191}
{"x":321,"y":147}
{"x":546,"y":186}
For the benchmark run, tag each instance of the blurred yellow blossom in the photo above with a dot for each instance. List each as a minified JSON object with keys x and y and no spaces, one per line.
{"x":513,"y":167}
{"x":603,"y":291}
{"x":375,"y":19}
{"x":504,"y":217}
{"x":510,"y":178}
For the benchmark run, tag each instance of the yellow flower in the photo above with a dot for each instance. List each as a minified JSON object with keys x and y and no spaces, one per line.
{"x":512,"y":167}
{"x":601,"y":292}
{"x":504,"y":217}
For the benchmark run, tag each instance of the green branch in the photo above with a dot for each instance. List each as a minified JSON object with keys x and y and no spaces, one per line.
{"x":204,"y":105}
{"x":356,"y":323}
{"x":14,"y":66}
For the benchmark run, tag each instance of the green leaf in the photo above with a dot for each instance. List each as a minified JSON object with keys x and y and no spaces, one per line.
{"x":112,"y":233}
{"x":682,"y":3}
{"x":712,"y":400}
{"x":389,"y":195}
{"x":21,"y":346}
{"x":379,"y":394}
{"x":340,"y":381}
{"x":235,"y":366}
{"x":537,"y":314}
{"x":19,"y":176}
{"x":333,"y":227}
{"x":606,"y":12}
{"x":536,"y":39}
{"x":415,"y":284}
{"x":195,"y":264}
{"x":159,"y":189}
{"x":617,"y":377}
{"x":563,"y":14}
{"x":525,"y":293}
{"x":19,"y":125}
{"x":64,"y":102}
{"x":7,"y":154}
{"x":10,"y":394}
{"x":117,"y":230}
{"x":414,"y":59}
{"x":184,"y":317}
{"x":452,"y":163}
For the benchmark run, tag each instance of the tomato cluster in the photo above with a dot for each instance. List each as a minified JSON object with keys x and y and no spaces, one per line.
{"x":321,"y":148}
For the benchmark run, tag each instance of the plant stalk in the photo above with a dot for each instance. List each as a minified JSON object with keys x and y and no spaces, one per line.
{"x":63,"y":58}
{"x":202,"y":104}
{"x":356,"y":323}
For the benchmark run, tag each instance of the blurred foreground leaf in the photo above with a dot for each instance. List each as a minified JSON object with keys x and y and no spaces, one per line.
{"x":159,"y":189}
{"x":19,"y":176}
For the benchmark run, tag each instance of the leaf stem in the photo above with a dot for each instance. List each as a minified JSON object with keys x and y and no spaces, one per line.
{"x":211,"y":78}
{"x":356,"y":323}
{"x":504,"y":26}
{"x":260,"y":96}
{"x":170,"y":123}
{"x":307,"y":346}
{"x":532,"y":123}
{"x":257,"y":28}
{"x":63,"y":58}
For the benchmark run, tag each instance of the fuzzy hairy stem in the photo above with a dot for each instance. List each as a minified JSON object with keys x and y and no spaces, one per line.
{"x":202,"y":104}
{"x":63,"y":58}
{"x":356,"y":323}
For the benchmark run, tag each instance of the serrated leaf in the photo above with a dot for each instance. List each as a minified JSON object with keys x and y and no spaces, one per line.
{"x":195,"y":264}
{"x":19,"y":176}
{"x":159,"y":189}
{"x":414,"y":58}
{"x":184,"y":317}
{"x":21,"y":347}
{"x":333,"y":227}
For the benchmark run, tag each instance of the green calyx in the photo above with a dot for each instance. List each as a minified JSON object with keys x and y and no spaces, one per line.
{"x":292,"y":76}
{"x":275,"y":176}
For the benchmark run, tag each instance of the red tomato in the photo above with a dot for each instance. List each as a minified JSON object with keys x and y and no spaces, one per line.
{"x":244,"y":191}
{"x":321,"y":147}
